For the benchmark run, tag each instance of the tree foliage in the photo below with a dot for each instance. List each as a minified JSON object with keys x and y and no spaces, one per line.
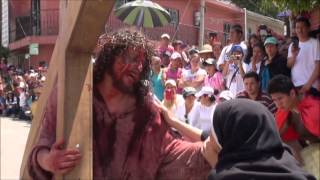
{"x":273,"y":7}
{"x":297,"y":6}
{"x":4,"y":52}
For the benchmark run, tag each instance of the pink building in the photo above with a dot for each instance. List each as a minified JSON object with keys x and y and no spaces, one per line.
{"x":32,"y":21}
{"x":37,"y":21}
{"x":219,"y":16}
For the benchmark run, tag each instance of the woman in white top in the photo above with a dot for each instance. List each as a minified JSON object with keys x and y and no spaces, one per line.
{"x":256,"y":59}
{"x":202,"y":115}
{"x":184,"y":109}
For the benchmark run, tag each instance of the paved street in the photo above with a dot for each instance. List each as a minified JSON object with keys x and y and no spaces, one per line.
{"x":14,"y":134}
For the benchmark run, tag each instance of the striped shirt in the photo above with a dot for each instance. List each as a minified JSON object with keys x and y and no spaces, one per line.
{"x":263,"y":98}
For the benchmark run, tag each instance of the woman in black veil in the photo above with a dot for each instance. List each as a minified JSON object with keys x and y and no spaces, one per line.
{"x":251,"y":147}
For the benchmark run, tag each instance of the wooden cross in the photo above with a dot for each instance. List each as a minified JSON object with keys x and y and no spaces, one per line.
{"x":81,"y":23}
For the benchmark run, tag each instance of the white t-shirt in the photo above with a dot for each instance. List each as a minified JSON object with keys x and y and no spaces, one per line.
{"x":187,"y":75}
{"x":225,"y":53}
{"x":181,"y":111}
{"x":201,"y":117}
{"x":22,"y":99}
{"x":179,"y":100}
{"x":236,"y":84}
{"x":248,"y":67}
{"x":308,"y":54}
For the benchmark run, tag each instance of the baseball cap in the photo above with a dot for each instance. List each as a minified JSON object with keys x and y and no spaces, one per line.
{"x":167,"y":53}
{"x":165,"y":36}
{"x":236,"y":48}
{"x":227,"y":95}
{"x":175,"y":55}
{"x":171,"y":82}
{"x":209,"y":61}
{"x":271,"y":40}
{"x":193,"y":51}
{"x":205,"y":90}
{"x":187,"y":91}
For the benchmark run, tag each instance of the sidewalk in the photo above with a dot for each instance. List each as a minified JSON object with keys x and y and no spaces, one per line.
{"x":14,"y":135}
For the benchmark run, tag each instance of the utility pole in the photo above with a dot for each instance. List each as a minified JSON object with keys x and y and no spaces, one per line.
{"x":245,"y":25}
{"x":201,"y":31}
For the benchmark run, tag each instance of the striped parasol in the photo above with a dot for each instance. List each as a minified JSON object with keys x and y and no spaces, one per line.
{"x":143,"y":13}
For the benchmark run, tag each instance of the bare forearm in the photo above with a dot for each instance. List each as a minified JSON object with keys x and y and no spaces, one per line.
{"x":185,"y":129}
{"x":315,"y":74}
{"x":242,"y":73}
{"x":197,"y":82}
{"x":225,"y":69}
{"x":290,"y":62}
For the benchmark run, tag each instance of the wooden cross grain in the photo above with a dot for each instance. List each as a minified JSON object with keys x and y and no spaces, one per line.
{"x":81,"y":23}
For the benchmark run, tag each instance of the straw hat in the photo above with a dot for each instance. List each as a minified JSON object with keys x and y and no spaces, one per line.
{"x":207,"y":48}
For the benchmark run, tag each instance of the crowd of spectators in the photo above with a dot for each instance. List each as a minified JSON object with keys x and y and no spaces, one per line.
{"x":190,"y":82}
{"x":19,"y":89}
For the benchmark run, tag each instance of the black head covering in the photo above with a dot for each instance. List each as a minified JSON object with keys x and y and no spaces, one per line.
{"x":251,"y":145}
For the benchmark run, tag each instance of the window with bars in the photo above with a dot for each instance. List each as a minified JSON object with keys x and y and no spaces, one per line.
{"x":226,"y":31}
{"x":174,"y":13}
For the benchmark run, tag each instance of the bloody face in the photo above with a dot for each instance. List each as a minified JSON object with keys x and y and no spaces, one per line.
{"x":170,"y":92}
{"x":127,"y":69}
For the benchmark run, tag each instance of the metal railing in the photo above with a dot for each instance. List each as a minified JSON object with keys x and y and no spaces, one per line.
{"x":46,"y":24}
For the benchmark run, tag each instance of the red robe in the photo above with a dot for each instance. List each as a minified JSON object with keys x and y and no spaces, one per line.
{"x":163,"y":156}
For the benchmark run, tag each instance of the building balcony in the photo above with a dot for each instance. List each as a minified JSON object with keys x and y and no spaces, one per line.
{"x":30,"y":29}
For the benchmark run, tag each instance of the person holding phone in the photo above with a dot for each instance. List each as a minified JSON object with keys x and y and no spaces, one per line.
{"x":304,"y":59}
{"x":233,"y":70}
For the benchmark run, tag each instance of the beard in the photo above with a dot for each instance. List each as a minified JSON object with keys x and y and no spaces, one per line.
{"x":118,"y":83}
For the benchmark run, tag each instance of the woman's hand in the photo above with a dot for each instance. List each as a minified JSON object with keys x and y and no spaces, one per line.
{"x":59,"y":160}
{"x":210,"y":151}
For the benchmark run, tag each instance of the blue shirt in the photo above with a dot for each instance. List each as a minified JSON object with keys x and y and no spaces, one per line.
{"x":157,"y":86}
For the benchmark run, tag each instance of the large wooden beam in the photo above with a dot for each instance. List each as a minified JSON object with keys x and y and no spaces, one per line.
{"x":81,"y":23}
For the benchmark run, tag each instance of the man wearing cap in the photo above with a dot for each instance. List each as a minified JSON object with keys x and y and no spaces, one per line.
{"x":184,"y":109}
{"x":165,"y":44}
{"x":179,"y":47}
{"x":174,"y":70}
{"x":304,"y":59}
{"x":274,"y":64}
{"x":236,"y":34}
{"x":193,"y":77}
{"x":165,"y":49}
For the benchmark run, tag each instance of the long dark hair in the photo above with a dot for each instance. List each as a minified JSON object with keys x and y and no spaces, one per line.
{"x":109,"y":46}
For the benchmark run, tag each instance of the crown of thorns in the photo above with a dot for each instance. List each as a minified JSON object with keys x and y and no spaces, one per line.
{"x":124,"y":39}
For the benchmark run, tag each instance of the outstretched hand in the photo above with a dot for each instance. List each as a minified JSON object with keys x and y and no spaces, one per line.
{"x":167,"y":116}
{"x":60,"y":160}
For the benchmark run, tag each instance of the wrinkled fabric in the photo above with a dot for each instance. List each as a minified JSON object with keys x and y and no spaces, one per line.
{"x":251,"y":145}
{"x":309,"y":108}
{"x":159,"y":157}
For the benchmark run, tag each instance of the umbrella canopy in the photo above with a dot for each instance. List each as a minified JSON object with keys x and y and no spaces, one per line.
{"x":143,"y":13}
